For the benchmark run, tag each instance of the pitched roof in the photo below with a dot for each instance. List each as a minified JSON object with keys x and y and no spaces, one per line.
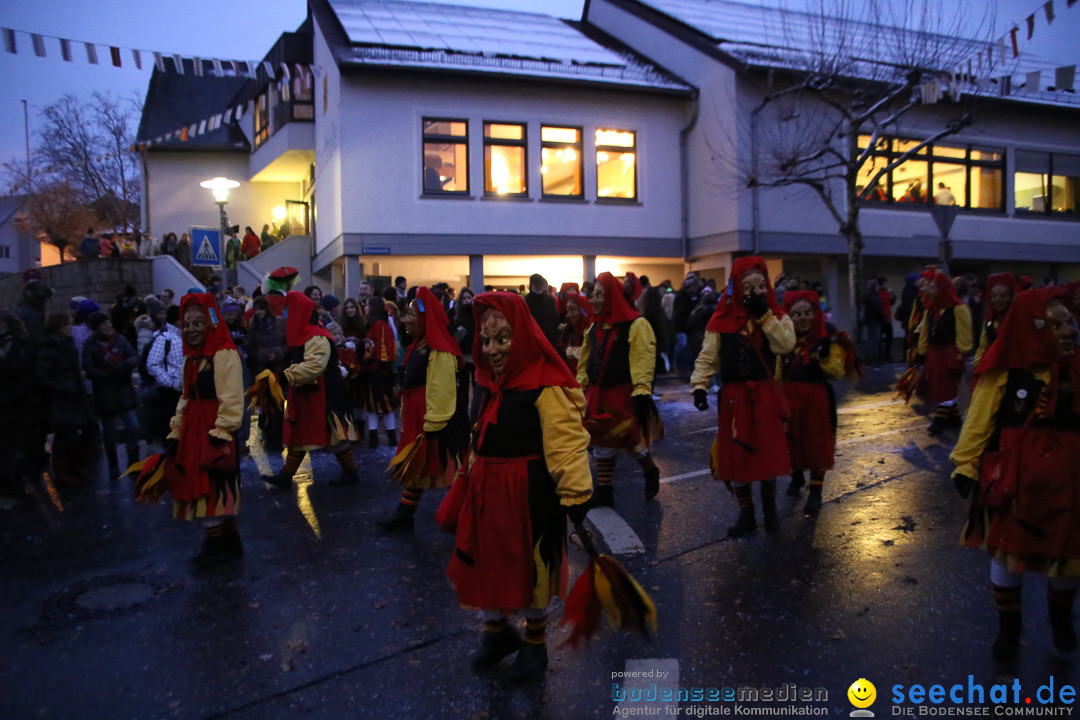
{"x":867,"y":47}
{"x":386,"y":33}
{"x":174,"y":101}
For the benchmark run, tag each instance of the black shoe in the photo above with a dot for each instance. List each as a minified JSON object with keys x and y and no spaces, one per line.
{"x":937,"y":426}
{"x":796,"y":484}
{"x":1062,"y":628}
{"x":813,"y":501}
{"x":771,"y":521}
{"x":1007,"y":644}
{"x":400,"y":521}
{"x":603,"y":496}
{"x":278,"y":480}
{"x":494,"y":646}
{"x":373,"y":439}
{"x":215,"y":551}
{"x":348,"y":477}
{"x":652,"y":482}
{"x":745,"y":525}
{"x":954,"y":420}
{"x":532,"y":659}
{"x":391,"y":438}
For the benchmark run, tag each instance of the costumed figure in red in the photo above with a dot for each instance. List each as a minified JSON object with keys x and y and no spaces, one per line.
{"x":577,"y":317}
{"x":434,"y":425}
{"x":616,"y":367}
{"x":527,"y":470}
{"x":378,"y":389}
{"x":317,"y":406}
{"x":1019,"y":451}
{"x":805,"y":374}
{"x":742,"y":340}
{"x":202,"y":437}
{"x":1001,"y":289}
{"x":632,"y":288}
{"x":944,"y":343}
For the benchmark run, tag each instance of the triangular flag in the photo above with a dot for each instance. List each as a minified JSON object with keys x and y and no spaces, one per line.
{"x":193,"y":130}
{"x":1005,"y":85}
{"x":239,"y":112}
{"x":202,"y":128}
{"x":217,"y":121}
{"x":183,"y":134}
{"x":1031,"y":25}
{"x":1049,"y":8}
{"x":39,"y":44}
{"x":159,"y":62}
{"x":218,"y":71}
{"x":228,"y":116}
{"x":65,"y":49}
{"x":1032,"y":84}
{"x":91,"y":53}
{"x":136,"y":55}
{"x":269,"y":69}
{"x":1015,"y":48}
{"x":252,"y":66}
{"x":178,"y":64}
{"x":115,"y":52}
{"x":198,"y":66}
{"x":1001,"y":47}
{"x":1064,"y":78}
{"x":9,"y":41}
{"x":285,"y":71}
{"x":235,"y":67}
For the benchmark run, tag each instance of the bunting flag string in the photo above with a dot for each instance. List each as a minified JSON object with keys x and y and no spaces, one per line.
{"x":39,"y":45}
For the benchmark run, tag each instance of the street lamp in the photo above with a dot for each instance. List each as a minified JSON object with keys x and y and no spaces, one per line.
{"x":220,"y":188}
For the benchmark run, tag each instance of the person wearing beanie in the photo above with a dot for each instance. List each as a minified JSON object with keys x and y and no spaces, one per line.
{"x":108,"y":361}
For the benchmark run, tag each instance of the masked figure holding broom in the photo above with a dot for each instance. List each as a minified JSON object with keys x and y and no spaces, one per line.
{"x":527,"y":470}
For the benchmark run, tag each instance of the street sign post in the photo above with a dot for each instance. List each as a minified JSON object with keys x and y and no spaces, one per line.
{"x":206,"y":247}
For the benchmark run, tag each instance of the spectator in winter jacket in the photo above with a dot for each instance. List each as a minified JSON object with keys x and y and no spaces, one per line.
{"x":108,"y":360}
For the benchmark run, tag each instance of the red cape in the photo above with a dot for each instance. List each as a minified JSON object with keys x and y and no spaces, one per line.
{"x":615,"y":309}
{"x":301,"y":320}
{"x":731,"y":316}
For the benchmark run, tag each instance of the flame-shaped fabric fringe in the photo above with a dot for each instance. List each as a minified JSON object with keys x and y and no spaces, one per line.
{"x":408,"y":466}
{"x":265,"y":394}
{"x":151,"y":479}
{"x":905,"y":386}
{"x":652,"y":426}
{"x":606,"y":587}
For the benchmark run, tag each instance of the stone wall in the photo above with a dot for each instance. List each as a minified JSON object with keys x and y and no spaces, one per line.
{"x":101,"y":280}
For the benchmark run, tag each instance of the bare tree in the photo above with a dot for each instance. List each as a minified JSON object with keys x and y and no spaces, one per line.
{"x":55,"y":212}
{"x":839,"y":81}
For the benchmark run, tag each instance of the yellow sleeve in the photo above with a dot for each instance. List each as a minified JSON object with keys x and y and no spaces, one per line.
{"x":979,"y":424}
{"x":962,"y":315}
{"x":833,"y":366}
{"x":178,"y":417}
{"x":707,"y":363}
{"x":440,"y":391}
{"x":229,"y":385}
{"x":566,"y":442}
{"x":583,"y":359}
{"x":924,"y":336}
{"x":780,"y":333}
{"x":642,"y":356}
{"x":984,"y":343}
{"x":316,"y":358}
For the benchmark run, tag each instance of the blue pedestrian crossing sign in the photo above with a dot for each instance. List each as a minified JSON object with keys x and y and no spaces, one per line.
{"x":205,"y":247}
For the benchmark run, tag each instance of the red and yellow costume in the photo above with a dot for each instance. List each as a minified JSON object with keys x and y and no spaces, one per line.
{"x":207,"y":481}
{"x":944,"y":340}
{"x":1021,"y":440}
{"x":992,"y":322}
{"x":380,"y":354}
{"x":573,"y":328}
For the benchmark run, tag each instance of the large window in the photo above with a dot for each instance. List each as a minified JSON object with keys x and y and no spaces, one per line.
{"x":616,"y":164}
{"x":446,"y":156}
{"x":560,"y":161}
{"x":1046,"y":182}
{"x":504,"y":159}
{"x":969,"y":176}
{"x":262,"y":118}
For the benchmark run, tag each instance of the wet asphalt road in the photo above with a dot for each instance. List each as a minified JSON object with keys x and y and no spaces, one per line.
{"x":102,"y":616}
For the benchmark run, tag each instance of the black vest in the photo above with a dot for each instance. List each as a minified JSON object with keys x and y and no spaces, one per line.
{"x":1021,"y":396}
{"x":609,"y":361}
{"x":741,"y":362}
{"x":204,"y":388}
{"x":414,"y":369}
{"x":516,"y":432}
{"x":795,"y":368}
{"x":943,"y":330}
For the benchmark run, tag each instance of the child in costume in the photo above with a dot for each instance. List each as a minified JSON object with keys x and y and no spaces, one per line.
{"x":805,"y":373}
{"x":944,"y":342}
{"x":616,"y":367}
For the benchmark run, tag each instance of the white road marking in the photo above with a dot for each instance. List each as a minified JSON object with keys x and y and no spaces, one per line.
{"x":685,"y":476}
{"x":619,"y":536}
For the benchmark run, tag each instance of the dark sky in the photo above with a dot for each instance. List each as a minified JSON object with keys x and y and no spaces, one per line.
{"x":245,"y":29}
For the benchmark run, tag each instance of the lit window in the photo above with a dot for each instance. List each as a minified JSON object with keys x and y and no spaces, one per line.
{"x":262,"y":118}
{"x":1046,"y":182}
{"x":616,"y":164}
{"x":446,"y":151}
{"x":939,"y":174}
{"x":504,"y":159}
{"x":560,"y":161}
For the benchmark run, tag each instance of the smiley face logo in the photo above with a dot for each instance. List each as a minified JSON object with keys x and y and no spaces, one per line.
{"x":862,"y":693}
